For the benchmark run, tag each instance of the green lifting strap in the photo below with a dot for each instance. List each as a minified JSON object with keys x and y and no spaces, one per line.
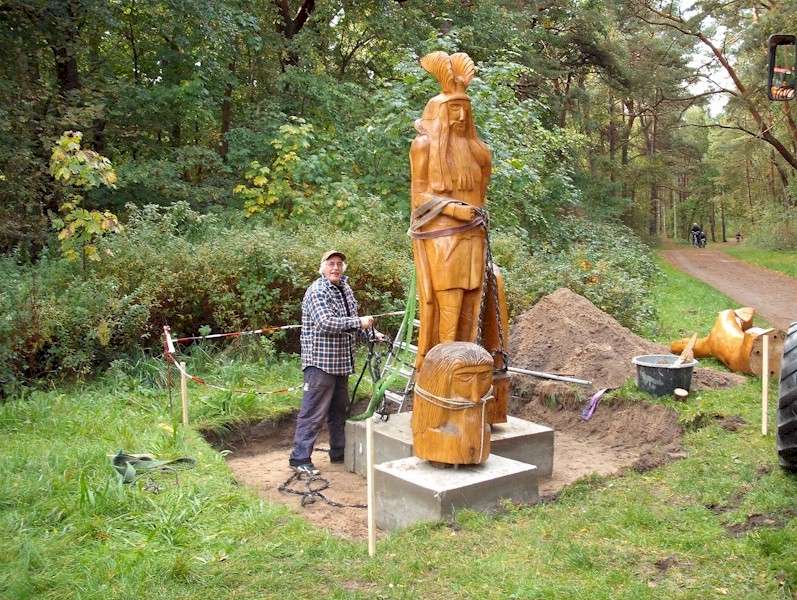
{"x":381,"y":386}
{"x":130,"y":467}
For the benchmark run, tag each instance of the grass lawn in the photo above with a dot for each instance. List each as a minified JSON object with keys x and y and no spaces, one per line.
{"x":72,"y":531}
{"x":784,"y":261}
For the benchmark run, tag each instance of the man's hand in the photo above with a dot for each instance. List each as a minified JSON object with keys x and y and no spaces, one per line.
{"x":366,"y":322}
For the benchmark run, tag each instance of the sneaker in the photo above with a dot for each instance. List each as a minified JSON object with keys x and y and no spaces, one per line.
{"x":306,"y":469}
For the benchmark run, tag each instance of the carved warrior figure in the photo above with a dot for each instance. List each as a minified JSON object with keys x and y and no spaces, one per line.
{"x":450,"y":171}
{"x":449,"y":412}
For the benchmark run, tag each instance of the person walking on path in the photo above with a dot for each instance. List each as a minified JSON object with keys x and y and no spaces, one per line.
{"x":330,"y":326}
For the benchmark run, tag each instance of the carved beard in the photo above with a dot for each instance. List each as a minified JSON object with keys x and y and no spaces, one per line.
{"x":462,"y":164}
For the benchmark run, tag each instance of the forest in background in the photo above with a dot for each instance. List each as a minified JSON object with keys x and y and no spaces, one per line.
{"x":222,"y":144}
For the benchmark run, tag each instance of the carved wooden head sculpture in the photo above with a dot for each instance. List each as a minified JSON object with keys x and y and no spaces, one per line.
{"x":448,"y":112}
{"x":452,"y":389}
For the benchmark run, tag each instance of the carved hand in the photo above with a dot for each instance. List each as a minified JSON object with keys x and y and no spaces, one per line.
{"x":464,"y":213}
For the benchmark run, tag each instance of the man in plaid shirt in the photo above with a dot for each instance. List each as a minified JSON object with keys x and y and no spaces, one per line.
{"x":329,"y":329}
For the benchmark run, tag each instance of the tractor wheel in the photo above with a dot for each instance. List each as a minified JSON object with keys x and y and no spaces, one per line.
{"x":786,"y":436}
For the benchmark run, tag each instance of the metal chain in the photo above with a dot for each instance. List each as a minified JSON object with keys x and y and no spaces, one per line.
{"x":314,"y":485}
{"x":487,"y":271}
{"x":494,"y":280}
{"x":490,"y":281}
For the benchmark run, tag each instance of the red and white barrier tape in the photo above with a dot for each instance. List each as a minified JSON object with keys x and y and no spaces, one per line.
{"x":262,"y":330}
{"x":169,"y":351}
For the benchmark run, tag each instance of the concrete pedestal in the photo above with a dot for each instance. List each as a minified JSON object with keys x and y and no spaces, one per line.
{"x":517,"y":439}
{"x":526,"y":442}
{"x":410,"y":490}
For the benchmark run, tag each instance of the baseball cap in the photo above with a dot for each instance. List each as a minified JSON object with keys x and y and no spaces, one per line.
{"x":331,"y":253}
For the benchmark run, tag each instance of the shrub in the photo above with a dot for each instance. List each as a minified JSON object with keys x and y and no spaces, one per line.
{"x":174,"y":266}
{"x":776,"y":229}
{"x":605,"y":263}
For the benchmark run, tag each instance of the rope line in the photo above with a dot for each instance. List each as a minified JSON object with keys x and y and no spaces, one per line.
{"x":452,"y":403}
{"x":201,"y":381}
{"x":457,"y":404}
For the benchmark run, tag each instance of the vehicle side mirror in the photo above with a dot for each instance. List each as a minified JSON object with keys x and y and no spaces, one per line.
{"x":782,"y":79}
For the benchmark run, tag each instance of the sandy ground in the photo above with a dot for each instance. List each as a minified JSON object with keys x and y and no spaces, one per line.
{"x":614,"y":440}
{"x":772,"y":294}
{"x":263,"y":466}
{"x":574,"y":458}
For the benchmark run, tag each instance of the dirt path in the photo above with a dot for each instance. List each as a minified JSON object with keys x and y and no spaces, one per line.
{"x":772,"y":294}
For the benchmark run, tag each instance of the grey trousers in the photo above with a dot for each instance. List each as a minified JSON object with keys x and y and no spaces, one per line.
{"x":326,"y":397}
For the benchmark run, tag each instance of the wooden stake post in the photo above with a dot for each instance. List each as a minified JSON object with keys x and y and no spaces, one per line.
{"x":369,"y":440}
{"x":765,"y":384}
{"x":184,"y":392}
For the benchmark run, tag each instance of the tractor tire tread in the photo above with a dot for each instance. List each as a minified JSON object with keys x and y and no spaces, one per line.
{"x":786,"y":433}
{"x":788,"y":366}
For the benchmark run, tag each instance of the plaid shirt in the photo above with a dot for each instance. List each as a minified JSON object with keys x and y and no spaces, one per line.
{"x":328,"y":334}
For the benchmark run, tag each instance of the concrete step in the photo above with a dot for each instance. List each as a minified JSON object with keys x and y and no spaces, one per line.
{"x":411,"y":490}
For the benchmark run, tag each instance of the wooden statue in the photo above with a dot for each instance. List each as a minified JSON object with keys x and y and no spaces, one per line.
{"x":735,"y":342}
{"x":449,"y":414}
{"x":450,"y":171}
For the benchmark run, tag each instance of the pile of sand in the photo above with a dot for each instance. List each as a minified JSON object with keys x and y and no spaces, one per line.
{"x":565,"y":333}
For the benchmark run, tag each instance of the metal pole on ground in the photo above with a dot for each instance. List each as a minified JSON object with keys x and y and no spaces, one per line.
{"x":548,"y":376}
{"x":184,"y":392}
{"x":765,"y":385}
{"x":369,"y":440}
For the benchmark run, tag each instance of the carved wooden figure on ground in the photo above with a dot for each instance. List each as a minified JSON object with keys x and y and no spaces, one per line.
{"x":738,"y":344}
{"x":449,"y":415}
{"x":450,"y":171}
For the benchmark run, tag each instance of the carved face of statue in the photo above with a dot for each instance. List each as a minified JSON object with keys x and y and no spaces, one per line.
{"x":457,"y":370}
{"x":471,"y":382}
{"x":458,"y":115}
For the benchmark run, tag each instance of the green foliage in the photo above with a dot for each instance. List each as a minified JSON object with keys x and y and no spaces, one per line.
{"x":304,"y":182}
{"x":274,"y":188}
{"x":606,"y":264}
{"x":174,"y":266}
{"x":81,"y":168}
{"x":79,"y":229}
{"x":775,"y":229}
{"x":196,"y":273}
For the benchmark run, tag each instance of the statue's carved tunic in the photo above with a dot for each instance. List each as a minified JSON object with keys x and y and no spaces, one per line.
{"x":450,"y":171}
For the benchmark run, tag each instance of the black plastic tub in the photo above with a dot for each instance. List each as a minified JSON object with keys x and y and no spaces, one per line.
{"x":658,"y":375}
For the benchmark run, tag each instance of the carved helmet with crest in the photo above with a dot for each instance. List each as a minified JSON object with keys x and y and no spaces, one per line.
{"x":454,"y":73}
